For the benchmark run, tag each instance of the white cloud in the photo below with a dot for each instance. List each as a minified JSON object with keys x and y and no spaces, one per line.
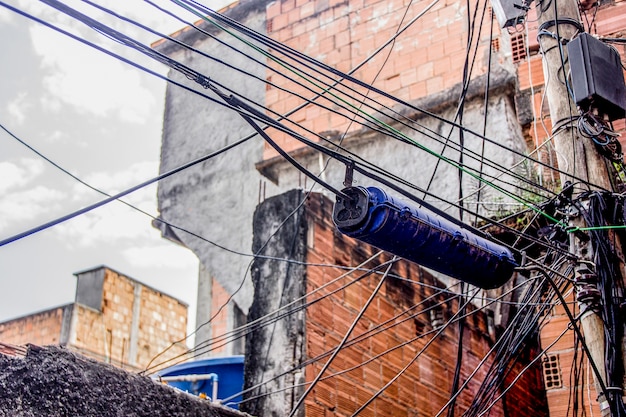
{"x":18,"y":174}
{"x":111,"y":224}
{"x":114,"y":222}
{"x":161,"y":256}
{"x":90,"y":81}
{"x":28,"y":205}
{"x":6,"y":16}
{"x":18,"y":107}
{"x":52,"y":104}
{"x":56,"y":137}
{"x":117,"y":181}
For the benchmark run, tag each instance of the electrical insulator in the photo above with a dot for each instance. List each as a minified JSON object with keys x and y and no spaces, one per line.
{"x":423,"y":237}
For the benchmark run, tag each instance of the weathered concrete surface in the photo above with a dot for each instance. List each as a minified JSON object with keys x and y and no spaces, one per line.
{"x":52,"y":381}
{"x":215,"y":199}
{"x":416,"y":165}
{"x":279,"y":232}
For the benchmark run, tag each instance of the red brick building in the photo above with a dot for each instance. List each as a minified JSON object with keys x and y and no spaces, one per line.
{"x":114,"y":319}
{"x":423,"y":66}
{"x":403,"y":340}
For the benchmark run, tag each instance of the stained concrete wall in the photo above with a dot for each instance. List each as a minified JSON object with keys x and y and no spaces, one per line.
{"x":215,"y":199}
{"x":416,"y":166}
{"x":279,"y":234}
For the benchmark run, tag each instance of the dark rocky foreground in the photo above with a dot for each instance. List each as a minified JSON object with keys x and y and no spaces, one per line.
{"x":52,"y":381}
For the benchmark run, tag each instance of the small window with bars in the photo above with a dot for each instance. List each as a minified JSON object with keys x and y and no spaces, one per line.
{"x":518,"y":47}
{"x":552,"y":372}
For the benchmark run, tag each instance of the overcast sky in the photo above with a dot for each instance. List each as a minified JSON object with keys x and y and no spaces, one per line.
{"x":101,"y":120}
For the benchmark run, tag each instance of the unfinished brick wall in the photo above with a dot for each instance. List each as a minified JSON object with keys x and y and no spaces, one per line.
{"x":425,"y":386}
{"x":127,"y":324}
{"x":106,"y":333}
{"x":559,"y":341}
{"x":219,"y":315}
{"x":401,"y":328}
{"x":427,"y":59}
{"x":136,"y":323}
{"x":43,"y":328}
{"x":162,"y":321}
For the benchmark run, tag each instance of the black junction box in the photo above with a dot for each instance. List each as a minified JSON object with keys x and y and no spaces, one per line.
{"x":509,"y":13}
{"x":597,"y":77}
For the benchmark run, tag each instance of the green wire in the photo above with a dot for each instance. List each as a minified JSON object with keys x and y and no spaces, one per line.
{"x":372,"y":118}
{"x":586,"y":229}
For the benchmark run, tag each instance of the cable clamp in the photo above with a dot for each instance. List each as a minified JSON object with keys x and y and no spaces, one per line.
{"x":349,"y":177}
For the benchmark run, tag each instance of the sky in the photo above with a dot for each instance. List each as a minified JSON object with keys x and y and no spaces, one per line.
{"x":101,"y":120}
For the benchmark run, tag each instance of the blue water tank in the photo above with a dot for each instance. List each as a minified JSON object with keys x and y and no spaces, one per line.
{"x":421,"y":236}
{"x":229,"y":370}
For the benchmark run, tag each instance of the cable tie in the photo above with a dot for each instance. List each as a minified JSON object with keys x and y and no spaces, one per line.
{"x":203,"y":80}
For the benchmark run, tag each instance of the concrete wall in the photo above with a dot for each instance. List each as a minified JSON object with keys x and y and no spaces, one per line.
{"x":279,"y":233}
{"x":217,"y":198}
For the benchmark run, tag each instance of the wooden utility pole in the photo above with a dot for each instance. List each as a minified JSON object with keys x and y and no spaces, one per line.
{"x":577,"y":156}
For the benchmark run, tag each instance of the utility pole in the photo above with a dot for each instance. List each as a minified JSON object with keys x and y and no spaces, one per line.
{"x":559,"y":21}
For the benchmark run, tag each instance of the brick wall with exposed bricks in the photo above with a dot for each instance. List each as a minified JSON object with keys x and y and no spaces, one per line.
{"x":428,"y":58}
{"x":399,"y":329}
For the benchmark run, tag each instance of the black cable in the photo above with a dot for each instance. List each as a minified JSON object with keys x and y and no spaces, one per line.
{"x":201,"y":79}
{"x":459,"y":354}
{"x":275,"y":45}
{"x":374,"y":293}
{"x":485,"y":106}
{"x":410,"y":362}
{"x":516,"y":334}
{"x":605,"y":210}
{"x":238,"y":103}
{"x":197,"y":77}
{"x":458,"y":116}
{"x":577,"y":330}
{"x":117,"y":196}
{"x":374,"y":331}
{"x":275,"y":316}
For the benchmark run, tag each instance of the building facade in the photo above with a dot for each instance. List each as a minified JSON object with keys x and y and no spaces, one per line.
{"x":403,"y":341}
{"x":425,"y":66}
{"x":114,"y":319}
{"x":422,"y":68}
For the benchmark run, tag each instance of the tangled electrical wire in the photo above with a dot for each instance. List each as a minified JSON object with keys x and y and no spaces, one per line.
{"x":605,"y":139}
{"x":335,"y":89}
